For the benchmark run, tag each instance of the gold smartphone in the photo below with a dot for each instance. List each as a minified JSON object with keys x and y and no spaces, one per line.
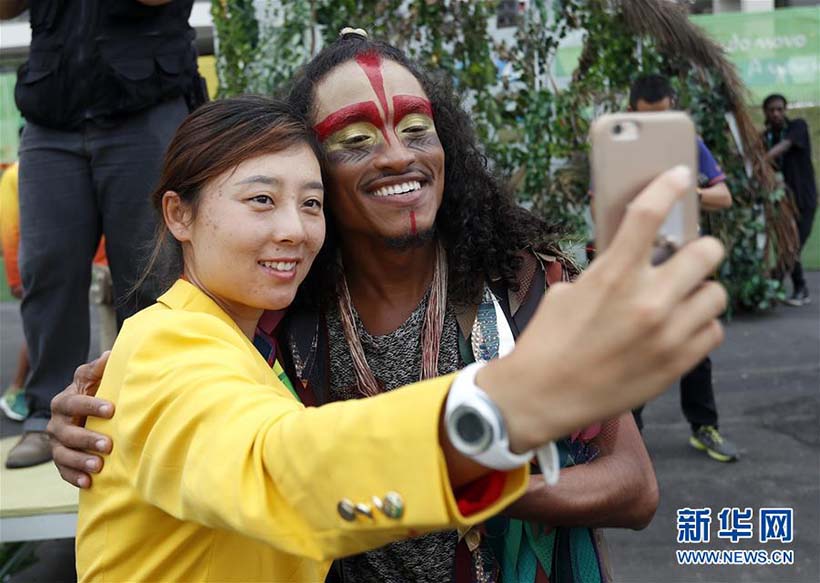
{"x":629,"y":150}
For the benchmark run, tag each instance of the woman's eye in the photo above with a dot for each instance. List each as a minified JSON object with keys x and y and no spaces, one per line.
{"x":262,"y":199}
{"x":313,"y":203}
{"x":416,"y":129}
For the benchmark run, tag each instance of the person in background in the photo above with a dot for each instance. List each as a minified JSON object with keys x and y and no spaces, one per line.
{"x":788,"y":148}
{"x":13,"y":402}
{"x":697,"y":395}
{"x":105,"y":85}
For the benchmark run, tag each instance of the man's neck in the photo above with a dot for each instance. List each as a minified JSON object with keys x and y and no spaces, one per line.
{"x":778,"y":127}
{"x":386,"y":284}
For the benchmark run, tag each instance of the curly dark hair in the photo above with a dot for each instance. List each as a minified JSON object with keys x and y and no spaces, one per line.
{"x":479,"y":224}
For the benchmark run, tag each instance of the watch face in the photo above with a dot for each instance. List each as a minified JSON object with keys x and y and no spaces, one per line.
{"x":472,"y":430}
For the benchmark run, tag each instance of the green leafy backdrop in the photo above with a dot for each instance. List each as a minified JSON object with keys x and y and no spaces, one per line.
{"x":534,"y":130}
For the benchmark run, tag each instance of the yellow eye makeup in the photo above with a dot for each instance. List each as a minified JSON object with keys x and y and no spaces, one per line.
{"x":356,"y":135}
{"x":415,"y":123}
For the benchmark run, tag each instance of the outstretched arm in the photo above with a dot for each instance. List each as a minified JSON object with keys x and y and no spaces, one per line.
{"x":628,"y":323}
{"x":206,"y":433}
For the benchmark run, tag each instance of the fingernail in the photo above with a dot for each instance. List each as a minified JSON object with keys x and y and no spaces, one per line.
{"x":91,"y":464}
{"x":681,"y":175}
{"x":100,"y":445}
{"x":105,"y":409}
{"x":83,"y":482}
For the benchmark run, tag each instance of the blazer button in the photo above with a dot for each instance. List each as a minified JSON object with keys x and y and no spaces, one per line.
{"x":393,"y":505}
{"x":346,"y":509}
{"x":364,"y":509}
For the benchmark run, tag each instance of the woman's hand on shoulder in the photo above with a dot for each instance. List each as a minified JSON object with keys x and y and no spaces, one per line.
{"x":70,"y":440}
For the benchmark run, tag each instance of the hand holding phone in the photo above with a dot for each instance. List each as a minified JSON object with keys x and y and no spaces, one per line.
{"x":628,"y":151}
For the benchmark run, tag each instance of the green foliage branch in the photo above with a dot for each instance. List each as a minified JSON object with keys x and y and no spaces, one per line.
{"x":534,"y":130}
{"x":548,"y":125}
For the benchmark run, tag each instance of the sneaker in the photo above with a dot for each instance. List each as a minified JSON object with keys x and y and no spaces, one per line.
{"x":13,"y":403}
{"x":707,"y":438}
{"x":33,"y":449}
{"x":800,"y":297}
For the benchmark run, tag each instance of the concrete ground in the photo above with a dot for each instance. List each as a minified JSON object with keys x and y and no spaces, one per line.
{"x":767,"y":381}
{"x":767,"y":385}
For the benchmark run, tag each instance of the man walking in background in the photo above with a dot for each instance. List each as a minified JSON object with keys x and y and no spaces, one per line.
{"x":789,"y":150}
{"x":697,"y":394}
{"x":105,"y":86}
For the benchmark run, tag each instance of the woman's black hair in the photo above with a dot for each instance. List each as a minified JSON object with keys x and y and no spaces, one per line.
{"x":215,"y":138}
{"x":479,"y":224}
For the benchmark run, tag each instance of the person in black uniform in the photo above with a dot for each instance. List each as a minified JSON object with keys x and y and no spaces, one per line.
{"x":105,"y":86}
{"x":789,"y":149}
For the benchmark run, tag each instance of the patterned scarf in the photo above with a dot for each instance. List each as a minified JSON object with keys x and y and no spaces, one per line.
{"x":526,"y":551}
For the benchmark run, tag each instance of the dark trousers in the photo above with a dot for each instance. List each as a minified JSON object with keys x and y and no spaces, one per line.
{"x":697,"y":397}
{"x":805,"y":221}
{"x":74,"y":187}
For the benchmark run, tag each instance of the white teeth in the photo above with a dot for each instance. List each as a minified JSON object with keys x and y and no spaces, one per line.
{"x":279,"y":265}
{"x":398,"y":189}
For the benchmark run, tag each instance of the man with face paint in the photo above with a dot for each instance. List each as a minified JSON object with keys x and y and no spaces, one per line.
{"x":431,"y":266}
{"x":428,"y":266}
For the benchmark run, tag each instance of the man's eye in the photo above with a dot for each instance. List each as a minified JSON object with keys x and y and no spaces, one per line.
{"x":359,"y":140}
{"x":416,"y":129}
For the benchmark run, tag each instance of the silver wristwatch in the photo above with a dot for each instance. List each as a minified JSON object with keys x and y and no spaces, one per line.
{"x":476,"y":429}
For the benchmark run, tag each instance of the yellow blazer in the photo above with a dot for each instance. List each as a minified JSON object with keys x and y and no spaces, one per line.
{"x":219,"y":474}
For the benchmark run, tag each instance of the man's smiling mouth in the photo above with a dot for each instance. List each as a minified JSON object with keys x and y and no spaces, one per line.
{"x":398,"y":189}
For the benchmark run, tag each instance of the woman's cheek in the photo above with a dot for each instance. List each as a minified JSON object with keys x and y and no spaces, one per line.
{"x":317,"y":236}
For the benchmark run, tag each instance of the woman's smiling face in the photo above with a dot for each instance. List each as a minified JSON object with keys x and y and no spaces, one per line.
{"x":385,"y":161}
{"x":255,"y":232}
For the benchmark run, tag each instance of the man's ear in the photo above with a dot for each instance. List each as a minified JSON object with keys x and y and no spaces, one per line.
{"x":178,"y":215}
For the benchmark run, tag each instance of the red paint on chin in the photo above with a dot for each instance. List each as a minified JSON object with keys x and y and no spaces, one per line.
{"x":413,"y":229}
{"x":371,"y":64}
{"x":407,"y":104}
{"x":364,"y":111}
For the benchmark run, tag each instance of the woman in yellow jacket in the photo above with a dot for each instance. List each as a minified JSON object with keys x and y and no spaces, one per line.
{"x":219,"y":472}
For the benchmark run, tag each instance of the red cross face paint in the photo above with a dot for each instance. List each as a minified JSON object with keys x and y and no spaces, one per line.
{"x":385,"y":160}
